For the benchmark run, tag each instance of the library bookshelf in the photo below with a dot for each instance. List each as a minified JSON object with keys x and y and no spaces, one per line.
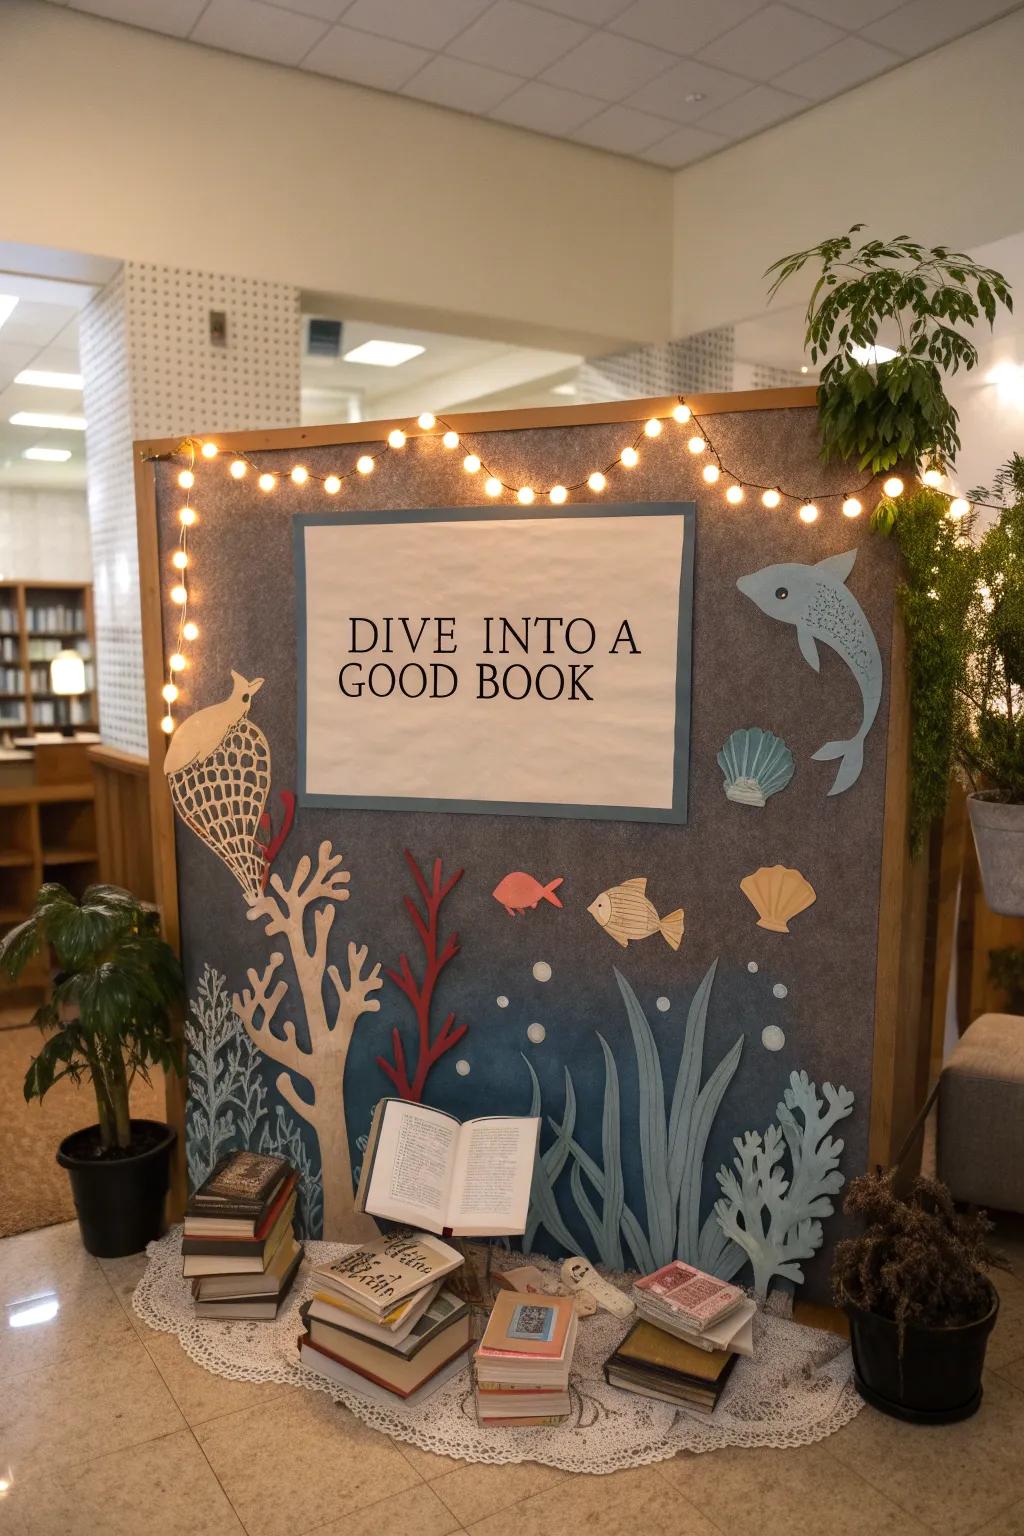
{"x":38,"y":619}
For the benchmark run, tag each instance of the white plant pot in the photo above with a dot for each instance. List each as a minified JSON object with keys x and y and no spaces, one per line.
{"x":999,"y":839}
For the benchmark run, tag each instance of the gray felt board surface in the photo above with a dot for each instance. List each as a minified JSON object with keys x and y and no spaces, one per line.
{"x":747,"y":670}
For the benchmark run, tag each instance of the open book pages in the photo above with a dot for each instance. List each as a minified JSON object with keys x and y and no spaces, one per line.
{"x":687,"y":1294}
{"x":388,"y":1269}
{"x":425,"y":1168}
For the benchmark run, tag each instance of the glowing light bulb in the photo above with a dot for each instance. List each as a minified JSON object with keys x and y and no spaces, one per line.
{"x":364,"y":464}
{"x":808,"y":512}
{"x":493,"y":487}
{"x":300,"y":474}
{"x":629,"y":457}
{"x":959,"y":508}
{"x":681,"y":413}
{"x":711,"y":473}
{"x":238,"y":469}
{"x":332,"y":485}
{"x":597,"y":481}
{"x":652,"y":428}
{"x":396,"y":438}
{"x":734,"y":495}
{"x":187,"y":516}
{"x":932,"y":478}
{"x":179,"y":560}
{"x":426,"y":420}
{"x":558,"y":494}
{"x":696,"y":445}
{"x":893,"y":486}
{"x":266,"y":482}
{"x":190,"y":630}
{"x":771,"y":498}
{"x":471,"y":464}
{"x":177,"y":662}
{"x":167,"y":725}
{"x":169,"y":692}
{"x":179,"y":595}
{"x":210,"y":450}
{"x":525,"y":494}
{"x":186,"y":479}
{"x":451,"y":439}
{"x":852,"y":507}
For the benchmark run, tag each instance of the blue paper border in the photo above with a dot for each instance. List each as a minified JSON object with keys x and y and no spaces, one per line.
{"x":684,"y":659}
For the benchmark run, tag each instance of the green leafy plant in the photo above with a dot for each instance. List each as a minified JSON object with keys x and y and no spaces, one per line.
{"x":884,"y":413}
{"x":918,"y":1261}
{"x":1006,"y":971}
{"x":108,"y":1013}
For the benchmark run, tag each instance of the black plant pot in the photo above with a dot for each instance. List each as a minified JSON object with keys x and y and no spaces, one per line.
{"x":935,"y":1379}
{"x":119,"y":1196}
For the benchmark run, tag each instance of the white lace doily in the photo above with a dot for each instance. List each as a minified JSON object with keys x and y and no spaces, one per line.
{"x":797,"y":1389}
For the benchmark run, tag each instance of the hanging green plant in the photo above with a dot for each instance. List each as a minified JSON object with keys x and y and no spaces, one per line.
{"x":891,"y":411}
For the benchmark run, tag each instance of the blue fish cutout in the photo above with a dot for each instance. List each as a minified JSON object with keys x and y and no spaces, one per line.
{"x":815,"y":600}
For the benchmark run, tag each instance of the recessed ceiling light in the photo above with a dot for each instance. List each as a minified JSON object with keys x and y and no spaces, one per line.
{"x":873,"y":354}
{"x":383,"y":354}
{"x":563,"y":389}
{"x":1008,"y":377}
{"x":803,"y":368}
{"x":45,"y":378}
{"x":8,"y":304}
{"x":694,"y":96}
{"x":48,"y":419}
{"x":48,"y":455}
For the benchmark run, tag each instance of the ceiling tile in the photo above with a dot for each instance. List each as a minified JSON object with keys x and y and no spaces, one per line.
{"x":455,"y":83}
{"x":262,"y":31}
{"x":622,"y":130}
{"x":176,"y":18}
{"x":378,"y":61}
{"x":607,"y":66}
{"x":684,"y":26}
{"x":925,"y":24}
{"x":411,"y":21}
{"x":546,"y":109}
{"x":845,"y":64}
{"x":597,"y":12}
{"x":324,"y":10}
{"x":851,"y":14}
{"x":774,"y":39}
{"x":667,"y":95}
{"x":518,"y":37}
{"x":760,"y":108}
{"x":682,"y":146}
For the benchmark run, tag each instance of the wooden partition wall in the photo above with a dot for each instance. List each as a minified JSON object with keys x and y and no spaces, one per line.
{"x":123,"y":837}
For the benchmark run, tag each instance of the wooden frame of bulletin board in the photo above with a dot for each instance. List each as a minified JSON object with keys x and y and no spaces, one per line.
{"x":901,"y":1035}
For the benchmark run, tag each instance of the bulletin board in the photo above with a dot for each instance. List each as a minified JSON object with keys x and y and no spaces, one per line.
{"x":692,"y":990}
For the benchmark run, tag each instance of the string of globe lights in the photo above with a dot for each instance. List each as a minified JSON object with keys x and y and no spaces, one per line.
{"x":714,"y":472}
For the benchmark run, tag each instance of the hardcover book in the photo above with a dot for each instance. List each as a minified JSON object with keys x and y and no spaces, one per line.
{"x":390,"y":1371}
{"x":388,"y":1269}
{"x":445,"y":1309}
{"x":240,"y":1185}
{"x":267,"y":1282}
{"x":325,"y":1365}
{"x":651,"y":1358}
{"x":209,"y":1259}
{"x":257,"y":1306}
{"x":528,"y":1326}
{"x":238,"y":1243}
{"x":426,"y":1168}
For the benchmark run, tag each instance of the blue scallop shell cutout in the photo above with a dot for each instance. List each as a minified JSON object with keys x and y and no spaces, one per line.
{"x":756,"y":764}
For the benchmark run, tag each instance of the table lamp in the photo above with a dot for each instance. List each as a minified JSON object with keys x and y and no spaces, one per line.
{"x":67,"y":679}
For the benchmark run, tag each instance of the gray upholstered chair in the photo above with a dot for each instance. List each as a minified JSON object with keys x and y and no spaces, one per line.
{"x":981,"y":1114}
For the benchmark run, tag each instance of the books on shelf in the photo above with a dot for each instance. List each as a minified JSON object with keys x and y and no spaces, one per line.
{"x":522,"y":1365}
{"x":387,"y":1270}
{"x":427,"y":1169}
{"x":239,"y":1247}
{"x":656,"y":1364}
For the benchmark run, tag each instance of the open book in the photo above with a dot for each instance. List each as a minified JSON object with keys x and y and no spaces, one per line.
{"x":425,"y":1168}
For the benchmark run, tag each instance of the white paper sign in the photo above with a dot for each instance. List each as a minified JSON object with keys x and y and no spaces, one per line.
{"x":477,"y":660}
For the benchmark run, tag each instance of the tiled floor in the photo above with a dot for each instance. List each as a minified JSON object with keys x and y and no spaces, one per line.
{"x":107,"y":1429}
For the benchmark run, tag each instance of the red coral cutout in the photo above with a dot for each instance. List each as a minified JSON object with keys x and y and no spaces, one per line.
{"x":275,"y":842}
{"x":420,"y":994}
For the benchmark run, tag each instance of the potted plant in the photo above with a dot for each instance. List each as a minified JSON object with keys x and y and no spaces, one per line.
{"x":107,"y":1019}
{"x":919,"y":1304}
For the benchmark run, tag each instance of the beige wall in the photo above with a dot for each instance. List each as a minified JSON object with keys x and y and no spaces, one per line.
{"x":127,"y":144}
{"x":44,"y":534}
{"x":933,"y":149}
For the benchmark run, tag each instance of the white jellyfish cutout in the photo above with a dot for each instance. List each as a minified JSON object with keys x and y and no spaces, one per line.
{"x":773,"y":1038}
{"x":780,"y":989}
{"x":536,"y":1034}
{"x":663,"y":1004}
{"x":462,"y":1067}
{"x":541,"y":971}
{"x":502,"y":1001}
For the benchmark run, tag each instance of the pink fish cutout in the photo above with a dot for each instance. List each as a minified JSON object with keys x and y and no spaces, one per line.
{"x":519,"y":890}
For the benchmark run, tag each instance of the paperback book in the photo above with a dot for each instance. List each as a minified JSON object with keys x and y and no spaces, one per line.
{"x":689,"y":1296}
{"x":386,"y":1270}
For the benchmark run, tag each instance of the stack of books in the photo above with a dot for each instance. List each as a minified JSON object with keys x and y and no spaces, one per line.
{"x":382,"y":1323}
{"x":523,"y":1362}
{"x":239,"y":1247}
{"x":692,"y":1328}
